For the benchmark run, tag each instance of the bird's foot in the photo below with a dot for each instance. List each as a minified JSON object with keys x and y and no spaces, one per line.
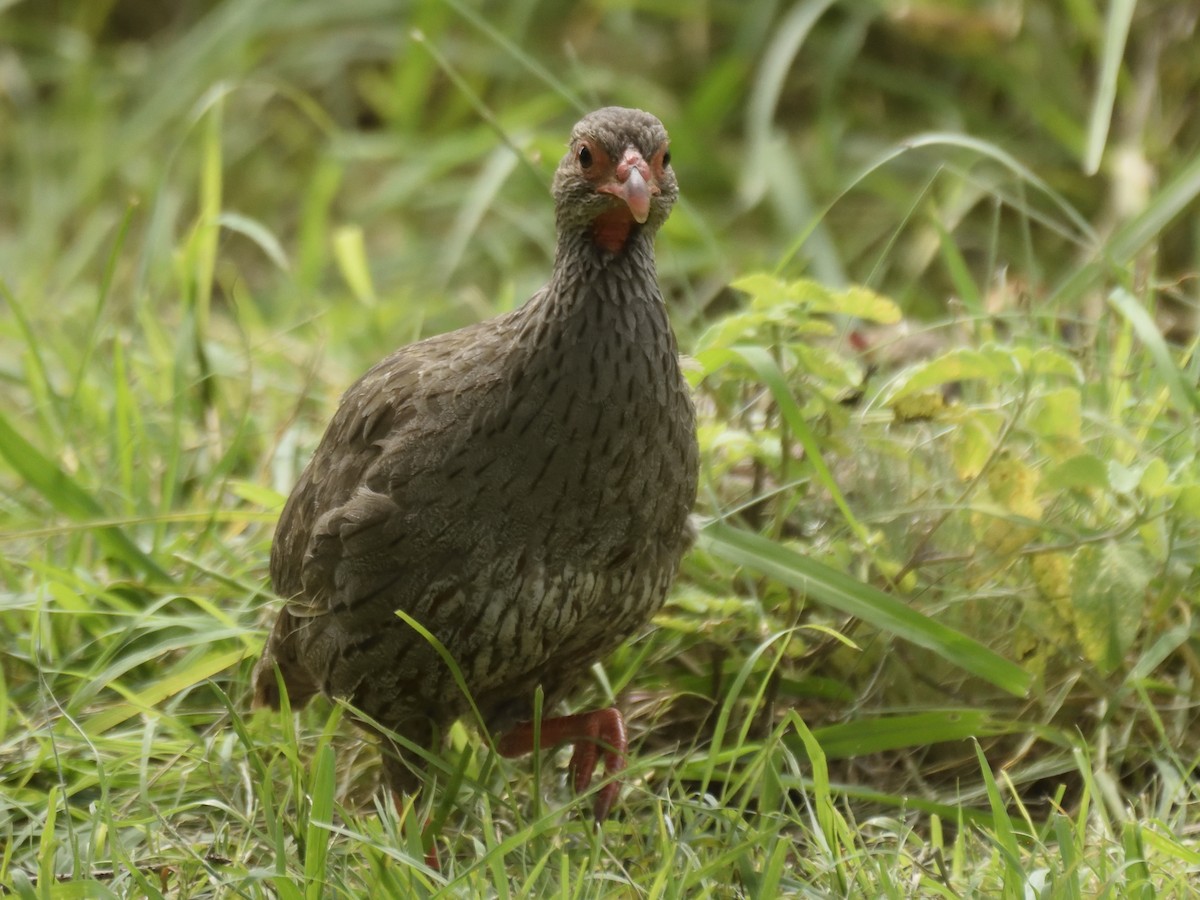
{"x":594,"y":734}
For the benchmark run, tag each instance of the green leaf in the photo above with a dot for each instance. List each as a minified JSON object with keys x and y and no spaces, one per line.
{"x":855,"y":598}
{"x":864,"y":303}
{"x":919,"y":407}
{"x":1154,"y":478}
{"x":763,"y":289}
{"x":833,"y":368}
{"x":961,"y":364}
{"x":1083,"y":471}
{"x":1108,"y":586}
{"x":987,"y":363}
{"x":1124,"y":479}
{"x":1046,"y":362}
{"x":769,"y":292}
{"x":1187,"y":501}
{"x":722,"y":335}
{"x":1057,"y":415}
{"x":971,"y":445}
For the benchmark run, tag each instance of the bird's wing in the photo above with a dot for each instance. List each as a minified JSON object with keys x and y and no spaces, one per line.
{"x":413,"y":403}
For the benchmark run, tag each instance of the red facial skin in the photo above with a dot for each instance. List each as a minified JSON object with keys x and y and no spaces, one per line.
{"x":632,"y":180}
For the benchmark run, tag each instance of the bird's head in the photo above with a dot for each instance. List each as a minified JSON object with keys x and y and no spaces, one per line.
{"x":616,"y":178}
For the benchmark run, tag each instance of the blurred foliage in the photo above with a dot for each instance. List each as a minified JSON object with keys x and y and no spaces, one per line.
{"x":789,"y":125}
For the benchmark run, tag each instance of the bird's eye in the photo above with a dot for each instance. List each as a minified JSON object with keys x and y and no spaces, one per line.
{"x":585,"y":157}
{"x":666,"y":159}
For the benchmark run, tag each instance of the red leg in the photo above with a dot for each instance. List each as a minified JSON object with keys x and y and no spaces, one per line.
{"x":602,"y":730}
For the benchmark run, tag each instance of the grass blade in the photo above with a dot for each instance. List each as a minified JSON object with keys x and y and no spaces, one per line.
{"x":883,"y":733}
{"x":1120,"y":14}
{"x":62,"y":492}
{"x":316,"y":844}
{"x":1184,"y":396}
{"x":760,"y":360}
{"x":865,"y":602}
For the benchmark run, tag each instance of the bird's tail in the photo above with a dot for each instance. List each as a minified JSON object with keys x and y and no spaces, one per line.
{"x":280,"y":663}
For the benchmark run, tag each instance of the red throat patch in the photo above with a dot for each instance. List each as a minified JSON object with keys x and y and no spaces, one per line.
{"x":611,"y":228}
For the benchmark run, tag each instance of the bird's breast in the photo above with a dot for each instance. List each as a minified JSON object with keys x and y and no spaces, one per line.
{"x":593,"y":441}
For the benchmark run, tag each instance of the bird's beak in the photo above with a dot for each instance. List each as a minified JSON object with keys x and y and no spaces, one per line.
{"x":633,"y":184}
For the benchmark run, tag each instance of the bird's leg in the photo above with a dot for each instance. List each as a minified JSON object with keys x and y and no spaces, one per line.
{"x":592,"y":733}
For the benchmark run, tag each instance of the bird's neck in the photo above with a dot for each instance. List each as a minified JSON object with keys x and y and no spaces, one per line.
{"x":583,"y":269}
{"x":601,"y":321}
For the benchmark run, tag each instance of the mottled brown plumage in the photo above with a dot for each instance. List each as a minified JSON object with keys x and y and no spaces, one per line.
{"x":520,"y":487}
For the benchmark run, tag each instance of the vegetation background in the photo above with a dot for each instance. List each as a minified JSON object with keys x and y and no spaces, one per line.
{"x":935,"y":264}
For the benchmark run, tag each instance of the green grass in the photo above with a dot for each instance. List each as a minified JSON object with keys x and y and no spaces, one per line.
{"x":936,"y":637}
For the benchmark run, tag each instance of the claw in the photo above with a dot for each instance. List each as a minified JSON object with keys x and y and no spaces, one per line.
{"x":594,"y":734}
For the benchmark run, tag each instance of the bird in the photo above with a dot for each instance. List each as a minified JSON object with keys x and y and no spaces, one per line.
{"x":521,"y":488}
